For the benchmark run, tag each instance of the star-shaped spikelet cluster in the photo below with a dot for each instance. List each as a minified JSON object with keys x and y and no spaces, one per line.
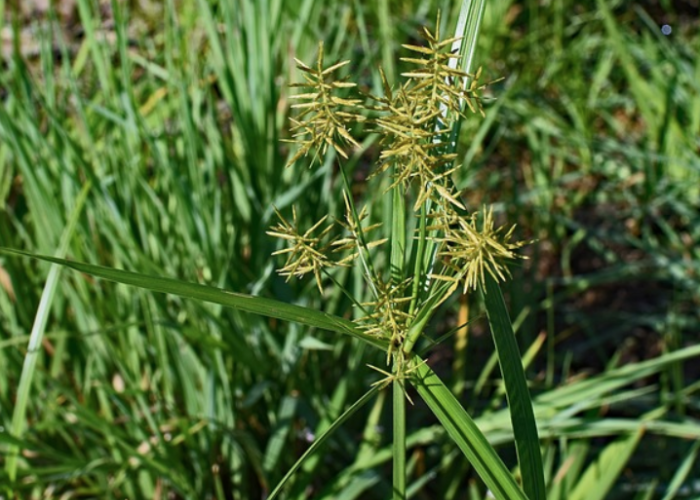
{"x":470,"y":252}
{"x":324,"y":117}
{"x":306,"y":252}
{"x":416,"y":121}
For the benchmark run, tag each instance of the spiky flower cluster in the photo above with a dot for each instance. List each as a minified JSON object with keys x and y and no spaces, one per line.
{"x":416,"y":123}
{"x":324,"y":116}
{"x":388,"y":318}
{"x":306,"y":252}
{"x":471,"y":252}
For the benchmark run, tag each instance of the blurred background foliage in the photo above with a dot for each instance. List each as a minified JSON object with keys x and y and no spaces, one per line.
{"x":175,"y":110}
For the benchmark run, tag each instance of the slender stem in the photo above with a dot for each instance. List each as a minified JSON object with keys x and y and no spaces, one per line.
{"x":417,"y":328}
{"x":437,"y":296}
{"x":362,"y":250}
{"x":399,"y":447}
{"x":398,"y":259}
{"x":398,"y":234}
{"x":36,"y":336}
{"x":418,"y":265}
{"x":350,"y":296}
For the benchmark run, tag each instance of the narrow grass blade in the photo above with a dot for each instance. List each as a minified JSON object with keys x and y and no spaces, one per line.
{"x":258,"y":305}
{"x":283,"y":427}
{"x":322,"y":439}
{"x":467,"y":33}
{"x":592,"y":389}
{"x":683,"y":471}
{"x":522,"y":415}
{"x":37,"y":335}
{"x":387,"y":38}
{"x":468,"y":25}
{"x":465,"y":433}
{"x":600,"y":476}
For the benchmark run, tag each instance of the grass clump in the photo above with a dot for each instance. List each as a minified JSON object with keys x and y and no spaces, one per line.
{"x":200,"y":392}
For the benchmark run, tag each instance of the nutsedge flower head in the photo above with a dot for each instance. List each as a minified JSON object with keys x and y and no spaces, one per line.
{"x":470,"y":251}
{"x":307,"y":252}
{"x":324,"y":116}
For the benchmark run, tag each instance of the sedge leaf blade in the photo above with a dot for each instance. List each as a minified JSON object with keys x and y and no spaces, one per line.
{"x":466,"y":434}
{"x":262,"y":306}
{"x":522,"y":415}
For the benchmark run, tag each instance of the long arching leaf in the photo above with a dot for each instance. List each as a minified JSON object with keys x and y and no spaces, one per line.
{"x":258,"y":305}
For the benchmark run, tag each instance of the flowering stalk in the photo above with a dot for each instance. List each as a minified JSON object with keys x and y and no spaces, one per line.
{"x":451,"y":250}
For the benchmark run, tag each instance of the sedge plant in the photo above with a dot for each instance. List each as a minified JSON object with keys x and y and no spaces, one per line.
{"x":446,"y":248}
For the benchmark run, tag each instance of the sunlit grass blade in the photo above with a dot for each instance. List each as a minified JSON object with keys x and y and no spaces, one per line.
{"x":465,"y":433}
{"x":258,"y":305}
{"x":519,"y":403}
{"x":37,"y":334}
{"x":467,"y":33}
{"x":590,"y":390}
{"x":599,"y":477}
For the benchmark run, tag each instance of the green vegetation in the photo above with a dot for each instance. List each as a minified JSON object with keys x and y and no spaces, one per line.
{"x":150,"y":140}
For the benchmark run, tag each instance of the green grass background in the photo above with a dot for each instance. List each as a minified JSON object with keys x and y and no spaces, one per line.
{"x":175,"y":114}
